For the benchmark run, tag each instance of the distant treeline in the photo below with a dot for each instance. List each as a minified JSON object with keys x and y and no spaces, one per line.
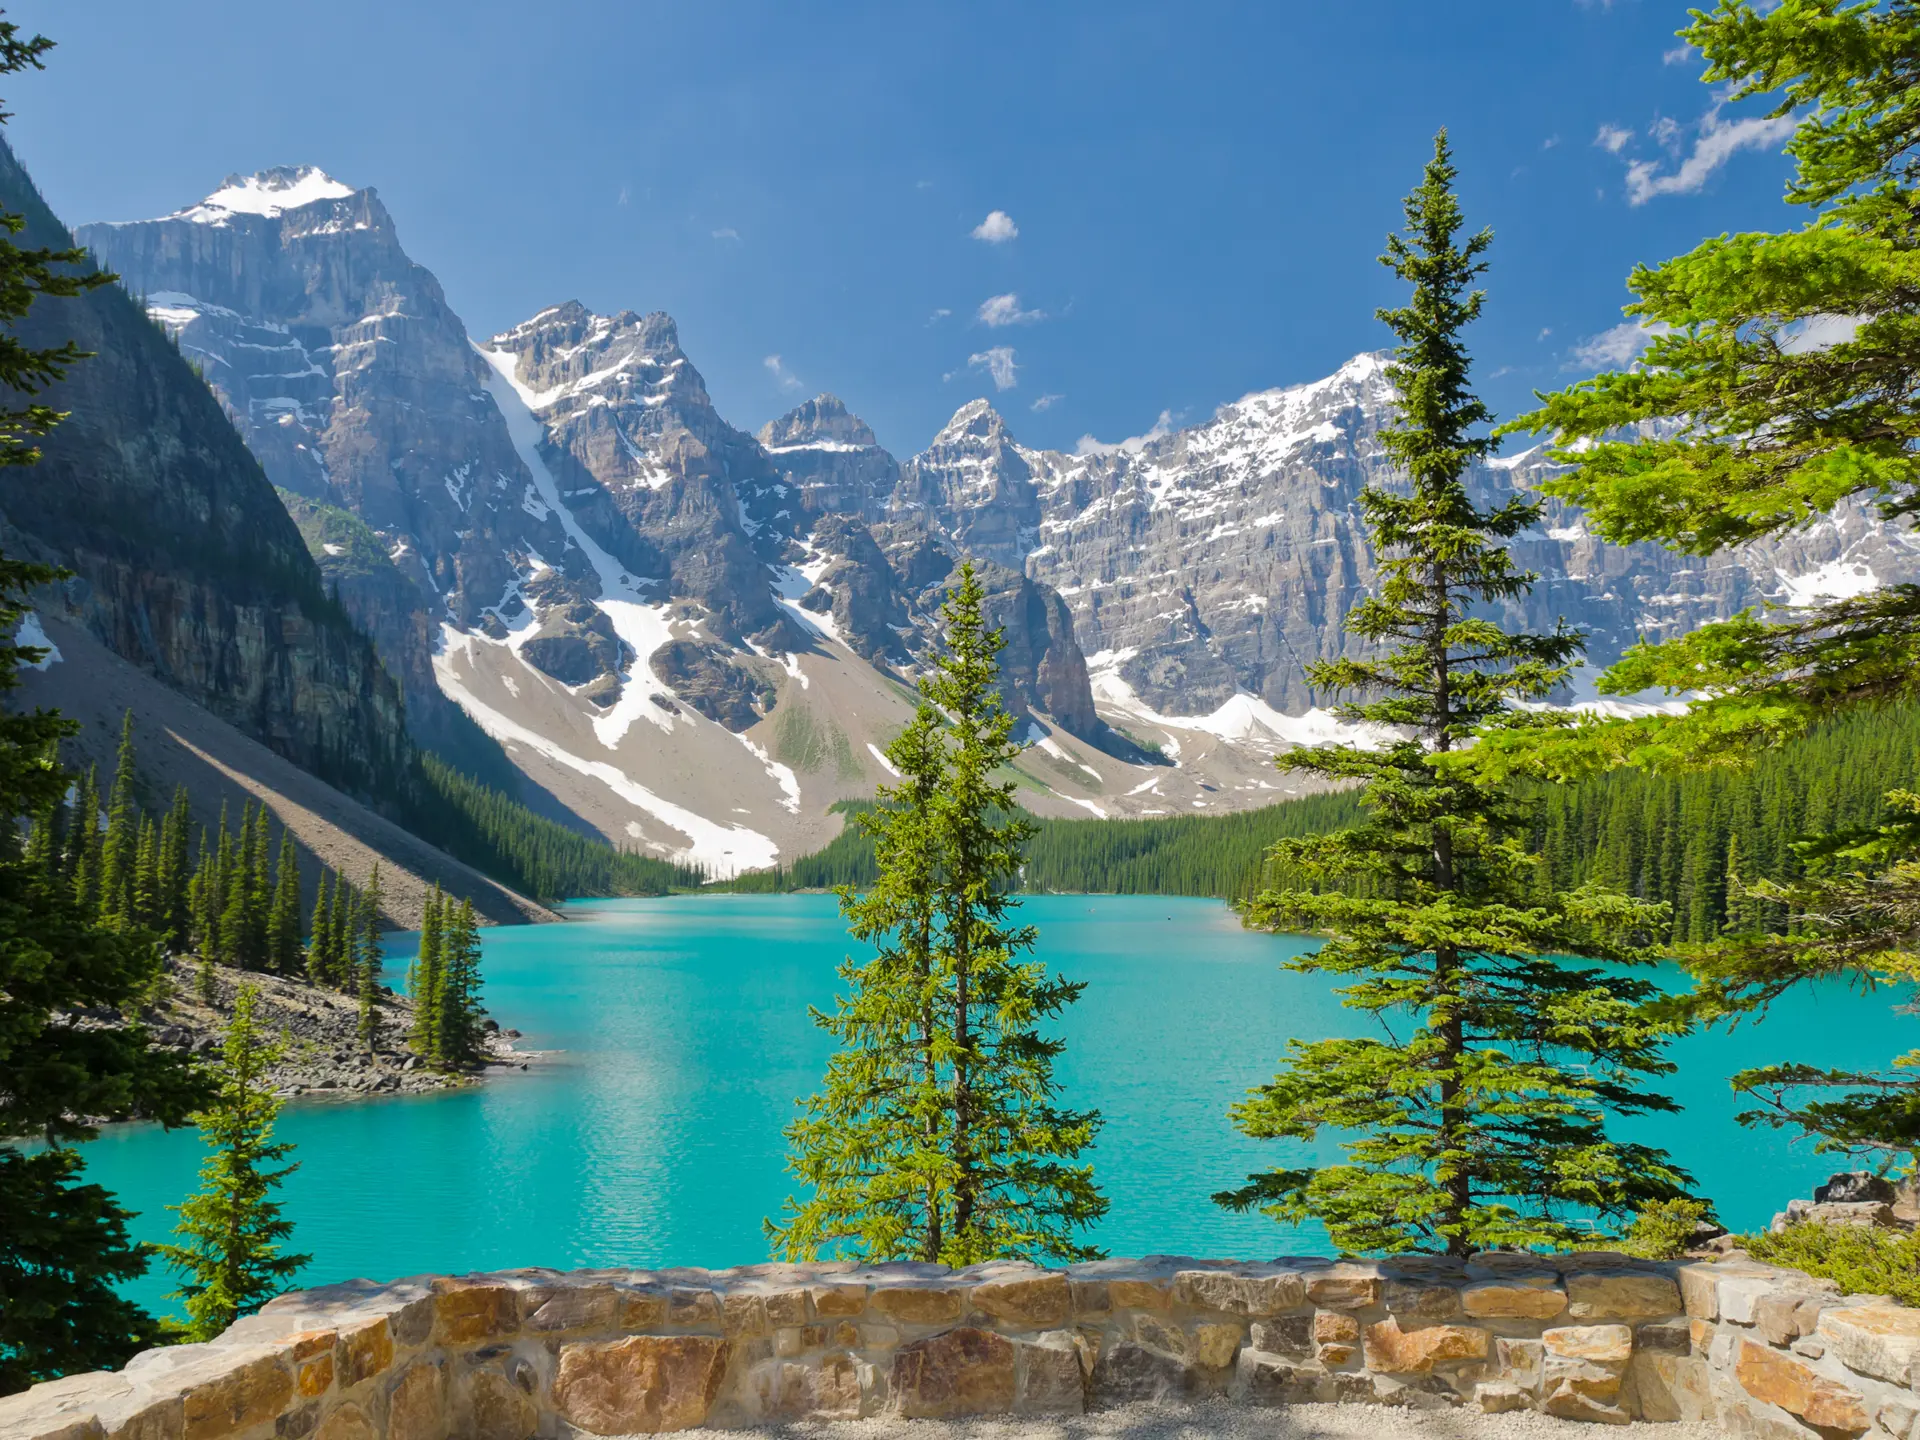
{"x":501,"y":837}
{"x":1214,"y":855}
{"x":1663,"y":838}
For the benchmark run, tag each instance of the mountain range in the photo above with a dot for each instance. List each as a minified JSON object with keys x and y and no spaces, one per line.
{"x":695,"y":639}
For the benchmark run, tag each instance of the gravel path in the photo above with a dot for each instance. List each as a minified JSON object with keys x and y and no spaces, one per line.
{"x":1207,"y":1420}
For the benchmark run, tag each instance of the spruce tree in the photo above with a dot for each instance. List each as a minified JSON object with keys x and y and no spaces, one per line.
{"x":424,"y":983}
{"x":320,"y":941}
{"x":172,"y":874}
{"x":119,"y":846}
{"x":344,"y":925}
{"x":457,"y":994}
{"x":144,"y":905}
{"x":1778,"y":389}
{"x":230,"y":1251}
{"x":260,"y":893}
{"x":83,"y":842}
{"x":973,"y":1157}
{"x":284,"y":921}
{"x":872,"y":1144}
{"x":366,"y":958}
{"x":1477,"y":1115}
{"x":64,"y":1248}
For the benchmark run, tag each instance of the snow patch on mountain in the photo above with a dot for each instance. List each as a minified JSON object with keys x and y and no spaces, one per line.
{"x":1835,"y":580}
{"x":271,"y":192}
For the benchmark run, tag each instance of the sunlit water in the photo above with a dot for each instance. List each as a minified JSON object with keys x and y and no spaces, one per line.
{"x":652,"y":1135}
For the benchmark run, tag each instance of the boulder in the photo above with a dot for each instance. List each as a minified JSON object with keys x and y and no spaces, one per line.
{"x":1393,"y":1351}
{"x":1852,"y":1186}
{"x":1784,"y":1380}
{"x":958,"y":1372}
{"x":1878,"y":1340}
{"x":643,"y":1384}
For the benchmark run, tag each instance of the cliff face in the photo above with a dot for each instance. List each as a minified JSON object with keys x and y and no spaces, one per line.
{"x":352,"y":380}
{"x":184,"y":561}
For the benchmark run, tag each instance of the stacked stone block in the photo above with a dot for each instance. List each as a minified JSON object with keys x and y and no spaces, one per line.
{"x":1767,"y":1353}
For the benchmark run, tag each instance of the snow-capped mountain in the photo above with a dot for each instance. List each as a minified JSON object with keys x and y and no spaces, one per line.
{"x":696,"y":638}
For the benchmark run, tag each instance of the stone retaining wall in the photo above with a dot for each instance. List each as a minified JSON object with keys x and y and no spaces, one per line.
{"x":1768,"y":1353}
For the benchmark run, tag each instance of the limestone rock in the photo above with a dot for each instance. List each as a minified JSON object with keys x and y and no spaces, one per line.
{"x":467,"y":1315}
{"x":957,"y":1372}
{"x":349,"y":1422}
{"x":1214,"y":1346}
{"x":1293,"y":1335}
{"x":1345,"y":1287}
{"x":1252,"y":1295}
{"x":1394,"y":1351}
{"x":1506,"y":1300}
{"x":913,"y":1305}
{"x":1040,"y":1302}
{"x":838,"y":1300}
{"x":1569,"y":1404}
{"x":363,"y":1351}
{"x":1052,"y":1378}
{"x":1137,"y":1295}
{"x":1601,"y":1344}
{"x":1783,"y":1380}
{"x":246,"y":1395}
{"x":1269,"y":1379}
{"x":496,"y":1409}
{"x":1851,"y":1186}
{"x":1878,"y":1340}
{"x":643,"y":1384}
{"x":1330,"y":1327}
{"x":1497,"y":1397}
{"x":1127,"y":1371}
{"x":1626,"y":1296}
{"x":417,"y":1404}
{"x":1422,"y":1302}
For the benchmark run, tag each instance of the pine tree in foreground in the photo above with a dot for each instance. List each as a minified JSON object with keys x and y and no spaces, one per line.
{"x":937,"y":1135}
{"x":1480,"y":1119}
{"x":230,"y":1254}
{"x":64,"y":1247}
{"x":1778,"y":388}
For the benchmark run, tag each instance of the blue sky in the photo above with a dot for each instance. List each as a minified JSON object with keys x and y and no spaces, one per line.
{"x":1199,"y":190}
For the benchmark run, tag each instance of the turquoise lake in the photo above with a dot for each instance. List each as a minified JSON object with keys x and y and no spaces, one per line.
{"x":653,"y":1135}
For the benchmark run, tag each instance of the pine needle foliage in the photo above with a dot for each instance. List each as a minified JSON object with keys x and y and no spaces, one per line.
{"x":1478,"y":1118}
{"x":64,"y":1247}
{"x":937,"y":1135}
{"x":230,"y":1253}
{"x":1782,"y":386}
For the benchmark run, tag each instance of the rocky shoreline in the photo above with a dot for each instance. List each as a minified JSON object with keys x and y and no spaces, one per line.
{"x":319,"y":1029}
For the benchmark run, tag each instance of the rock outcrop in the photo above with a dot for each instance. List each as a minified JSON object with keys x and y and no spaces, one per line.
{"x":184,"y":560}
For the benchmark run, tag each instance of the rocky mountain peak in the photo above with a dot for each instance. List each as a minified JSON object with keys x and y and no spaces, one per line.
{"x":821,"y":421}
{"x":267,"y":192}
{"x":569,"y":353}
{"x":976,"y":420}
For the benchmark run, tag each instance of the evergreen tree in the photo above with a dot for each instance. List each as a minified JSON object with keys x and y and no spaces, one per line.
{"x":231,"y":1233}
{"x":284,"y":920}
{"x":43,"y":842}
{"x":344,"y":925}
{"x":144,"y":906}
{"x":424,"y":983}
{"x":242,"y":933}
{"x":1478,"y":1119}
{"x":456,"y":997}
{"x":119,"y":846}
{"x":871,"y":1145}
{"x":83,"y":841}
{"x":938,"y":1135}
{"x":172,"y":874}
{"x":320,"y":942}
{"x":64,"y":1247}
{"x":1779,"y":387}
{"x":260,"y":893}
{"x":366,"y":958}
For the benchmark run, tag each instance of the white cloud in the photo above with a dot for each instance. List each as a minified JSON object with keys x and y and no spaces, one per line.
{"x":726,"y":232}
{"x":1718,"y":142}
{"x":1821,"y":332}
{"x":997,"y":228}
{"x":997,"y":362}
{"x":777,"y":368}
{"x":1545,"y":331}
{"x":1679,"y":55}
{"x":1613,"y":348}
{"x":1133,"y":444}
{"x":999,"y":310}
{"x":1613,"y":138}
{"x":1046,"y":402}
{"x":939,"y":315}
{"x":1666,"y":133}
{"x":1550,"y":142}
{"x":625,"y":196}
